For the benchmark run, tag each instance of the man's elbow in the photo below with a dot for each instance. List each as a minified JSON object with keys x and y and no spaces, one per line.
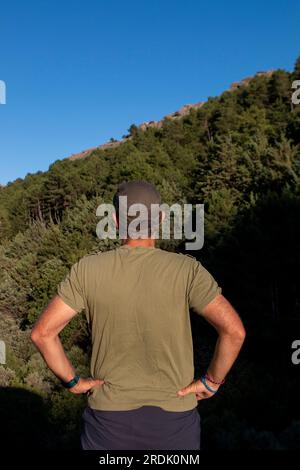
{"x":239,"y":334}
{"x":38,"y":336}
{"x":34,"y":336}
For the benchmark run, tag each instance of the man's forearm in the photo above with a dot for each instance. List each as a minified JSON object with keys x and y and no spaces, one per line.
{"x":226,"y":351}
{"x":55,"y":357}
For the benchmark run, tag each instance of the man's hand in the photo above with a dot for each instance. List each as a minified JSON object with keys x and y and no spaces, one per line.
{"x":199,"y":389}
{"x":222,"y":316}
{"x":85,"y":385}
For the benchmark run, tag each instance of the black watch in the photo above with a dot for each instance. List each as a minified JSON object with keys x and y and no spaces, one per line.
{"x":71,"y":382}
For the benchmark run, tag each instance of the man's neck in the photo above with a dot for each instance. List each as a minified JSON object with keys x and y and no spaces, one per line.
{"x":147,"y":242}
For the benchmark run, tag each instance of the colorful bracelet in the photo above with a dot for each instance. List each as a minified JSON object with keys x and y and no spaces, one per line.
{"x":72,"y":382}
{"x":214,"y":381}
{"x":206,"y":386}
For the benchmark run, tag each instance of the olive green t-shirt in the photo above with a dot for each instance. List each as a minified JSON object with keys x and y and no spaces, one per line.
{"x":137,"y":302}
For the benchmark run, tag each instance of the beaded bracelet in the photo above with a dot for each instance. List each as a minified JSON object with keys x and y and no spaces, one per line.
{"x":214,"y":381}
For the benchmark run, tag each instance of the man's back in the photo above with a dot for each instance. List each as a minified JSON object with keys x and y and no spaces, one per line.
{"x":137,"y":302}
{"x":142,"y":393}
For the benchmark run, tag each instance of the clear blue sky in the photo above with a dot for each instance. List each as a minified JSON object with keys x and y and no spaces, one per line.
{"x":80,"y":72}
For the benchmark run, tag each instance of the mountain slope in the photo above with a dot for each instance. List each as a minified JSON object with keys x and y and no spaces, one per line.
{"x":183,"y":111}
{"x":240,"y":155}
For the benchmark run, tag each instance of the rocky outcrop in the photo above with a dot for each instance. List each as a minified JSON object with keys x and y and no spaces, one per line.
{"x":86,"y":153}
{"x":247,"y":80}
{"x":184,"y":110}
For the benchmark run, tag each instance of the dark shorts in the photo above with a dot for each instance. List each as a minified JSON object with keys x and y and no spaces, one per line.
{"x":146,"y":428}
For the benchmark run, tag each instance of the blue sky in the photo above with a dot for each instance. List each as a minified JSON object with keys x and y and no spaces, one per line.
{"x":80,"y":72}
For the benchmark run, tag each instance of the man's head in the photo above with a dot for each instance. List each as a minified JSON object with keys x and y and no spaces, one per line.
{"x":131,"y":193}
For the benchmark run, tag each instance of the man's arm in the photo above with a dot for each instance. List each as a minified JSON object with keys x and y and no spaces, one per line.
{"x":45,"y":336}
{"x":222,"y":316}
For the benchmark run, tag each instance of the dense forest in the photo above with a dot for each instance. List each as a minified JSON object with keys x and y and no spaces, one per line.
{"x":238,"y":154}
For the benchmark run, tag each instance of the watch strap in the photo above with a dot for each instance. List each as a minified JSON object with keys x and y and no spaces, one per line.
{"x":71,"y":382}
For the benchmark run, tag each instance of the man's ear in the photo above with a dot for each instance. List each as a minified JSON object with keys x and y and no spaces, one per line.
{"x":115,"y":219}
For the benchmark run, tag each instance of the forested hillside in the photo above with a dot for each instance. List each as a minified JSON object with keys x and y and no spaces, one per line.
{"x":239,"y":154}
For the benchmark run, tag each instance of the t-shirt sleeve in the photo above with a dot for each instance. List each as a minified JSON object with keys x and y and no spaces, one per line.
{"x":70,"y":290}
{"x":203,"y":288}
